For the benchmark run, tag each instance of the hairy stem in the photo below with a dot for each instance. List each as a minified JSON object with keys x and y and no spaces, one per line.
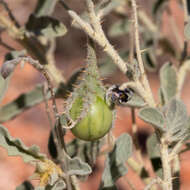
{"x":96,"y":33}
{"x":144,"y":79}
{"x":167,"y":173}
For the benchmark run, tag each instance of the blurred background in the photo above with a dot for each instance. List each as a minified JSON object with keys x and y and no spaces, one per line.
{"x":32,"y":126}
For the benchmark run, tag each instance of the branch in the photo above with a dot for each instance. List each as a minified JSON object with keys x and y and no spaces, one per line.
{"x":96,"y":33}
{"x":165,"y":157}
{"x":144,"y":79}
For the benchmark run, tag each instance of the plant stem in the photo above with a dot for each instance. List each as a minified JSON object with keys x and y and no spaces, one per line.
{"x":96,"y":33}
{"x":143,"y":79}
{"x":167,"y":173}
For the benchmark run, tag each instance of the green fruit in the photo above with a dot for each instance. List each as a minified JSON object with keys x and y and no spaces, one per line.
{"x":96,"y":123}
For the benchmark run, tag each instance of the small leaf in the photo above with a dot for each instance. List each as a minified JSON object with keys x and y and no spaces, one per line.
{"x":87,"y":151}
{"x":77,"y":167}
{"x":46,"y":26}
{"x":176,"y":119}
{"x":187,"y":30}
{"x":20,"y":104}
{"x":59,"y":185}
{"x":115,"y":165}
{"x":136,"y":101}
{"x":45,"y":7}
{"x":168,"y":80}
{"x":11,"y":62}
{"x":152,"y":116}
{"x":25,"y":186}
{"x":187,"y":126}
{"x":15,"y":147}
{"x":8,"y":68}
{"x":154,"y":154}
{"x":3,"y":86}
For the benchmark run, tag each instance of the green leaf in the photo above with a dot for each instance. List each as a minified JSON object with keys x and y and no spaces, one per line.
{"x":59,"y":185}
{"x":176,"y":119}
{"x":15,"y":147}
{"x":152,"y":116}
{"x":121,"y":27}
{"x":168,"y":80}
{"x":115,"y":165}
{"x":86,"y":151}
{"x":10,"y":63}
{"x":27,"y":100}
{"x":187,"y":30}
{"x":20,"y":104}
{"x":45,"y":26}
{"x":26,"y":185}
{"x":136,"y":101}
{"x":3,"y":86}
{"x":187,"y":126}
{"x":77,"y":167}
{"x":4,"y":81}
{"x":45,"y":7}
{"x":154,"y":154}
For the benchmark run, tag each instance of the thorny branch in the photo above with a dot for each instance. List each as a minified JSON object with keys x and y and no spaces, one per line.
{"x":95,"y":31}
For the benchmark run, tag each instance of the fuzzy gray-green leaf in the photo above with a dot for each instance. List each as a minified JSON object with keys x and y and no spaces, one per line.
{"x":59,"y":185}
{"x":187,"y":126}
{"x":168,"y":80}
{"x":23,"y":102}
{"x":176,"y":118}
{"x":46,"y":26}
{"x":136,"y":101}
{"x":115,"y":165}
{"x":152,"y":116}
{"x":15,"y":147}
{"x":77,"y":167}
{"x":45,"y":7}
{"x":187,"y":30}
{"x":3,"y":86}
{"x":4,"y":81}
